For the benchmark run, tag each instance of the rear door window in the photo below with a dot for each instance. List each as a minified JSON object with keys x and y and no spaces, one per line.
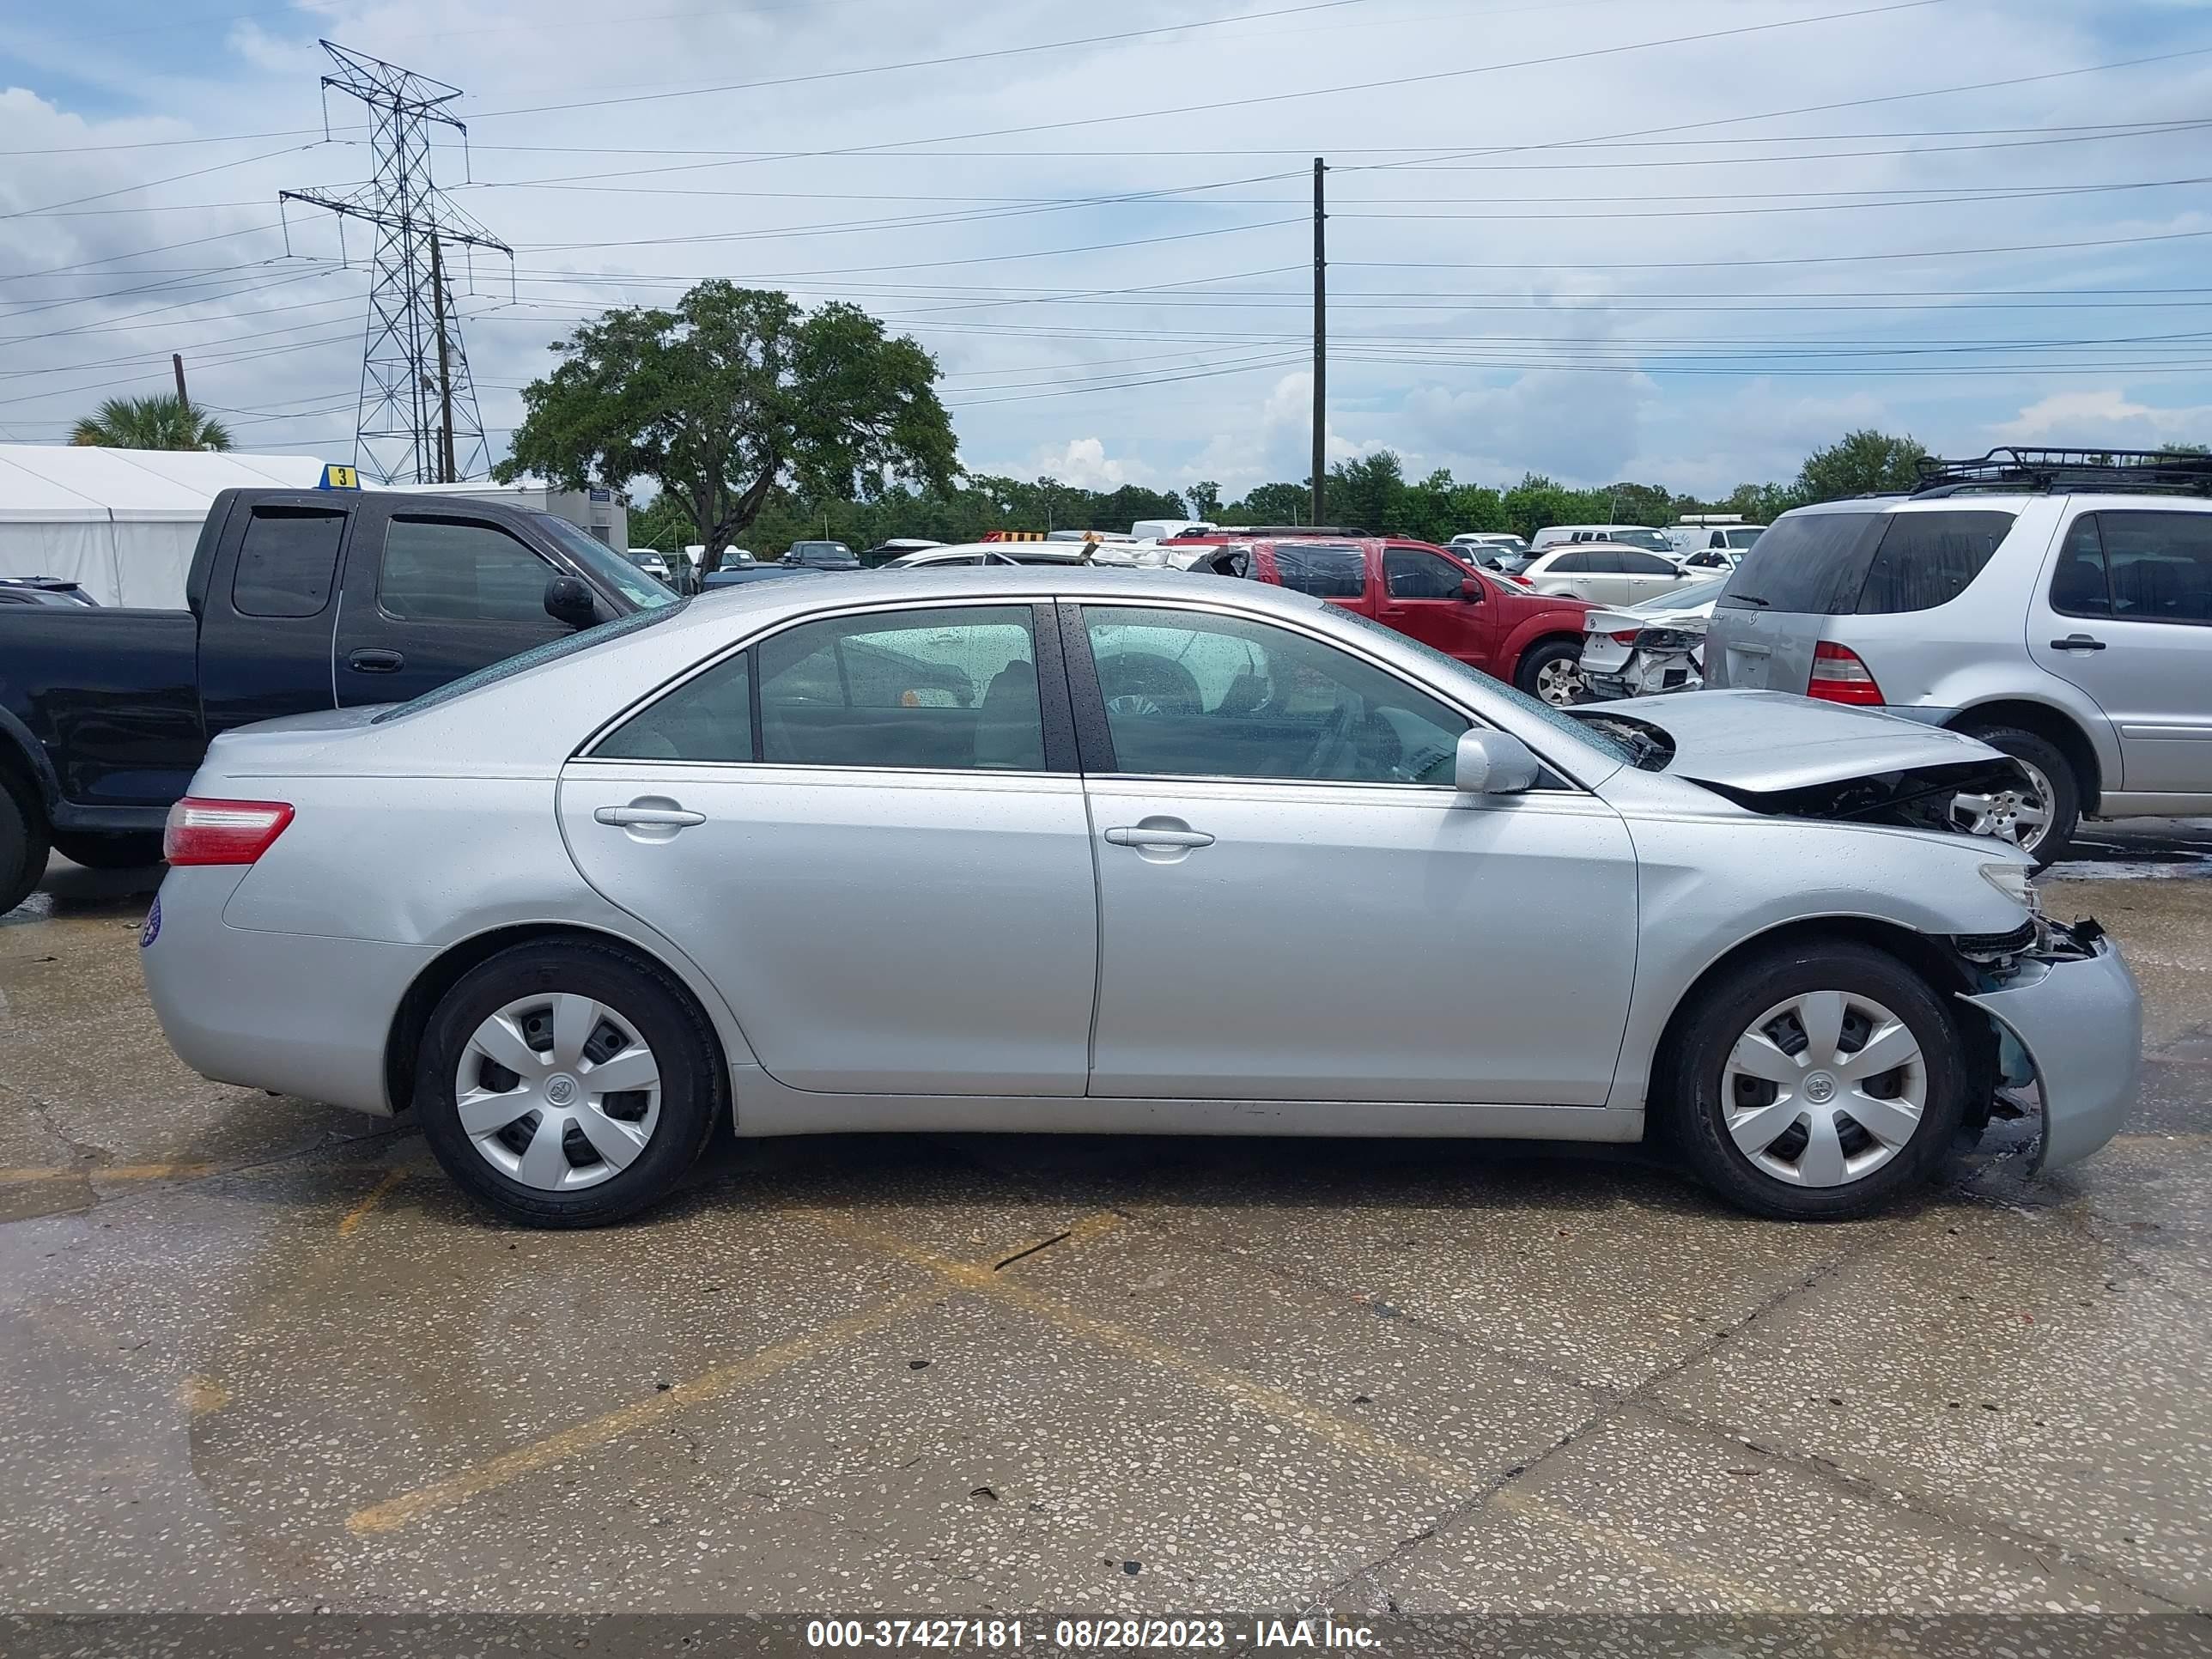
{"x":1325,"y":572}
{"x":287,"y":562}
{"x":937,"y":688}
{"x":1642,"y":564}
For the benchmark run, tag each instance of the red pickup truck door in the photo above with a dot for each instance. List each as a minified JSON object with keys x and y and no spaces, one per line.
{"x":1421,"y":595}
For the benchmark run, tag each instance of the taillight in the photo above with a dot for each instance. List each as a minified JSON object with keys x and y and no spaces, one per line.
{"x":1838,"y":675}
{"x":1521,"y":581}
{"x":204,"y":831}
{"x":1626,"y":636}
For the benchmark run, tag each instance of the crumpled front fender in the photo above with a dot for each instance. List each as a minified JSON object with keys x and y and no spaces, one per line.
{"x":2079,"y":1018}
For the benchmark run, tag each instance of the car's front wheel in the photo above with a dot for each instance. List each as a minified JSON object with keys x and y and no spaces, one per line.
{"x":567,"y":1084}
{"x":1816,"y":1082}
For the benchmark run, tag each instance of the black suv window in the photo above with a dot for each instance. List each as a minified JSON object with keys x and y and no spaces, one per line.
{"x":1841,"y":564}
{"x":1641,"y":564}
{"x":287,"y":562}
{"x":1325,"y":572}
{"x":2137,"y":567}
{"x":1572,"y":564}
{"x":447,"y":570}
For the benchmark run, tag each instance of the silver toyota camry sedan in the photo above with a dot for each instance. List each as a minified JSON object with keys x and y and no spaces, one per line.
{"x":1064,"y":849}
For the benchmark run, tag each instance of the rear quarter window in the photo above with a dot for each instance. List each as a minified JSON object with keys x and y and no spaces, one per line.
{"x":1326,"y":573}
{"x":1842,"y":564}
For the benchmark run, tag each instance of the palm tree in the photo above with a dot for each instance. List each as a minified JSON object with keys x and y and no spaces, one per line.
{"x":158,"y":422}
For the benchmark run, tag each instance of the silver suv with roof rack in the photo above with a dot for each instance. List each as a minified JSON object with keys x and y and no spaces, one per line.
{"x":2055,"y":603}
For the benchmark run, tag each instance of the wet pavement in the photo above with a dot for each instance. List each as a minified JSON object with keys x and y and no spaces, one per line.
{"x":259,"y":1355}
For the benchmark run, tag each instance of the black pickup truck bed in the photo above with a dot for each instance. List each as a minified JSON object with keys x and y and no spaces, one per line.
{"x":297,"y":600}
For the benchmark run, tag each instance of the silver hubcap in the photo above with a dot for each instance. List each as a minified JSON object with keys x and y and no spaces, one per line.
{"x":1824,"y":1089}
{"x":2021,"y":816}
{"x":558,"y":1091}
{"x":1560,"y":682}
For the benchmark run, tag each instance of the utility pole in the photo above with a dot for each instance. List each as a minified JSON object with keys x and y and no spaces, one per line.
{"x":445,"y":367}
{"x":1320,"y":344}
{"x":177,"y":363}
{"x":410,"y":427}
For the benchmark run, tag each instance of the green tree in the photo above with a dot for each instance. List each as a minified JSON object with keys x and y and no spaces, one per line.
{"x":167,"y":421}
{"x":735,"y":393}
{"x":1860,"y":462}
{"x":1366,"y":493}
{"x":663,"y":524}
{"x":1204,"y":499}
{"x":1271,"y":503}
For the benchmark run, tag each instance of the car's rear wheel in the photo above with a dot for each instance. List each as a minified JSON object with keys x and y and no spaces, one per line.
{"x":1816,"y":1082}
{"x":22,"y":847}
{"x":2040,"y":819}
{"x":567,"y":1084}
{"x":1553,"y":671}
{"x":121,"y":851}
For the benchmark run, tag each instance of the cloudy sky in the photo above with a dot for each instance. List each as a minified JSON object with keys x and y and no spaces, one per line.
{"x":1680,"y":243}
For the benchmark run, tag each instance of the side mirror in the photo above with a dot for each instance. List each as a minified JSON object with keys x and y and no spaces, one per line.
{"x":568,"y":599}
{"x":1470,"y":589}
{"x":1492,"y":763}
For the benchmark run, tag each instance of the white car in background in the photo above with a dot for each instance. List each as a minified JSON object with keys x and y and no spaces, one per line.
{"x":1643,"y":650}
{"x":1604,"y":573}
{"x":1629,"y":535}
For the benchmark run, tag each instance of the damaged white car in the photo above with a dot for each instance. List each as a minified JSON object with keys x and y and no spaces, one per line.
{"x":1643,"y":650}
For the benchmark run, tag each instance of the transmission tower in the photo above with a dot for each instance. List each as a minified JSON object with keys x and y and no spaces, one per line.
{"x":417,"y":421}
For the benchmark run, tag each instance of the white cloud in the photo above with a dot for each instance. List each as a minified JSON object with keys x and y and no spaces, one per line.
{"x":2107,"y":415}
{"x":1081,"y":462}
{"x":1593,"y":311}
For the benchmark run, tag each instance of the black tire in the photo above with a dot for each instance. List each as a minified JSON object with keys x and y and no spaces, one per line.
{"x":1690,"y":1102}
{"x":1154,"y":684}
{"x":694,"y":1092}
{"x":127,"y":851}
{"x":1529,"y":676}
{"x":2049,"y":759}
{"x":22,"y":846}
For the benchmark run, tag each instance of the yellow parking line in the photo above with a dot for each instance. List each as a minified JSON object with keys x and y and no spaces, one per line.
{"x":104,"y":1172}
{"x":723,"y":1380}
{"x":359,"y":1213}
{"x":1346,"y":1434}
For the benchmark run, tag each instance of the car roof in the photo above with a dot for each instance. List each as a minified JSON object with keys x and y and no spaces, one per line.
{"x":2014,"y":501}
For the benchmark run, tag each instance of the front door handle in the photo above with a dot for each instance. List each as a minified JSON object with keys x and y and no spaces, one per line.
{"x":376,"y":661}
{"x":2077,"y":642}
{"x":1144,"y":836}
{"x":673,"y":818}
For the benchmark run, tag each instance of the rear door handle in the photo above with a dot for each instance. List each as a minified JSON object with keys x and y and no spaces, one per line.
{"x":1139,"y":836}
{"x":2077,"y":642}
{"x":376,"y":661}
{"x":674,"y":817}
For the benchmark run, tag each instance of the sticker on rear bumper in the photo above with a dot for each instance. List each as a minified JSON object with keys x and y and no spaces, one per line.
{"x":152,"y":930}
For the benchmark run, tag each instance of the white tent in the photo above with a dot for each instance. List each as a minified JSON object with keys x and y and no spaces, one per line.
{"x":122,"y":523}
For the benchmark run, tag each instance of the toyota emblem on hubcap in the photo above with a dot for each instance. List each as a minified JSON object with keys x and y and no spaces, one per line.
{"x":560,"y":1090}
{"x":1820,"y":1088}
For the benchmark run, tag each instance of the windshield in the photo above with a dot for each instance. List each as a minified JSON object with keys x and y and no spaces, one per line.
{"x":606,"y":565}
{"x":536,"y":656}
{"x":1451,"y":668}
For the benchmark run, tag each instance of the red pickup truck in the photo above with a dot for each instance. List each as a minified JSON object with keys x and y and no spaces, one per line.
{"x":1532,"y":640}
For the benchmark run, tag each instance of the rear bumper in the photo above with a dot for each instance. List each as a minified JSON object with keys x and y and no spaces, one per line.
{"x":1645,"y":675}
{"x":292,"y":1013}
{"x":2079,"y":1018}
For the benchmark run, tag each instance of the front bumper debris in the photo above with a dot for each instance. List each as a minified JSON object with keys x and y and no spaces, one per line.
{"x":2073,"y":1007}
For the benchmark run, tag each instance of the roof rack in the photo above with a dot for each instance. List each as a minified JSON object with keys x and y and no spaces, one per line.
{"x":2149,"y":472}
